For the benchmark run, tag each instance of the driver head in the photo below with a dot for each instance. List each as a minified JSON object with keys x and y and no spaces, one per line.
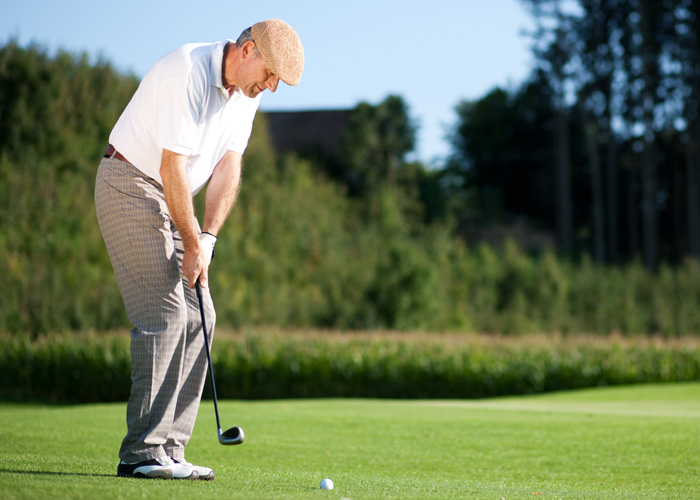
{"x":234,"y":435}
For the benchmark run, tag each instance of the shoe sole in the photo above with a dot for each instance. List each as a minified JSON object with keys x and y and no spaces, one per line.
{"x":207,"y":477}
{"x":161,"y":474}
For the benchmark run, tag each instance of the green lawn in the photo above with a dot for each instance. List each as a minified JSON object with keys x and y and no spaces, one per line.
{"x":632,"y":442}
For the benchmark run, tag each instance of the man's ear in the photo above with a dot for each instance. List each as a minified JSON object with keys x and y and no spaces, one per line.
{"x":248,"y":49}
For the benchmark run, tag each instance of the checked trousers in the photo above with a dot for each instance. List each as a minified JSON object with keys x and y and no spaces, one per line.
{"x":168,"y":358}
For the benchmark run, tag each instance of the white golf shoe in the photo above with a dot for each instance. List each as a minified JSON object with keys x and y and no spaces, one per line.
{"x":163,"y":468}
{"x":204,"y":473}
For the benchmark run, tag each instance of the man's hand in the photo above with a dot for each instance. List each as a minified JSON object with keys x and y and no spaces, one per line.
{"x":195,"y":266}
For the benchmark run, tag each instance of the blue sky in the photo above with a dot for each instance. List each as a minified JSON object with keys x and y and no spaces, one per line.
{"x":432,"y":53}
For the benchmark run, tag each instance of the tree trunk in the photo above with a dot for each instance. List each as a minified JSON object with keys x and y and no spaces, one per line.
{"x":676,"y":202}
{"x":613,"y":217}
{"x":693,"y":193}
{"x":633,"y":211}
{"x":598,"y":222}
{"x":563,"y":185}
{"x":650,"y":229}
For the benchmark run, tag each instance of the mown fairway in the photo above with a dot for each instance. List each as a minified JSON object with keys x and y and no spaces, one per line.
{"x":633,"y":442}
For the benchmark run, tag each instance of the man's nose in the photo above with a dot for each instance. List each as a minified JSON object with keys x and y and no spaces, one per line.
{"x":272,"y":83}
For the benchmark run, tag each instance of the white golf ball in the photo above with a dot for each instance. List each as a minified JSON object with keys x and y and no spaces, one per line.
{"x":326,"y":484}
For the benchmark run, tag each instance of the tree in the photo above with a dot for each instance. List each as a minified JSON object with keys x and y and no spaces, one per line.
{"x":687,"y":17}
{"x":376,"y":142}
{"x":554,"y":45}
{"x":55,"y":117}
{"x":616,"y":61}
{"x":501,"y":160}
{"x":648,"y":51}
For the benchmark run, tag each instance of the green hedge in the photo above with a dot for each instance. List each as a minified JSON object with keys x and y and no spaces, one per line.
{"x":92,"y":368}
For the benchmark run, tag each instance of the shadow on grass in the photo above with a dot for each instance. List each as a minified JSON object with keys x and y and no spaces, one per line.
{"x":53,"y":473}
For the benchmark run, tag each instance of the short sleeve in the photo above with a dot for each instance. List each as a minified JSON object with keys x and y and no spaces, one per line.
{"x":177,"y":115}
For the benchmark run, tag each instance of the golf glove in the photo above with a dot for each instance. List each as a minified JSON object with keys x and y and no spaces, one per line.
{"x":207,"y":240}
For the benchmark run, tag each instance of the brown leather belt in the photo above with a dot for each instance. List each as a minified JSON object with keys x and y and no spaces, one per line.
{"x":111,"y":152}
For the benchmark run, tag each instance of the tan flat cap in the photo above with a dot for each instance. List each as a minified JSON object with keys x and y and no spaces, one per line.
{"x":281,"y":49}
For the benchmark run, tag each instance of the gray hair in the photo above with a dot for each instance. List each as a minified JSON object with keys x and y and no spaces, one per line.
{"x":247,"y":36}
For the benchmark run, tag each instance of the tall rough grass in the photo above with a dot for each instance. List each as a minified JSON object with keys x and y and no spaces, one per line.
{"x":275,"y":364}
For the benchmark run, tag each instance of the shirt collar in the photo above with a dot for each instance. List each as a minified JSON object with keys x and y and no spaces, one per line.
{"x":217,"y":59}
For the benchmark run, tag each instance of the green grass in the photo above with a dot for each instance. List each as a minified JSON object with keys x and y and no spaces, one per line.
{"x":627,"y":443}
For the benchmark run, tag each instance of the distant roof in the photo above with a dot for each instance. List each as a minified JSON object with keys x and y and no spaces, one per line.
{"x":308,"y":132}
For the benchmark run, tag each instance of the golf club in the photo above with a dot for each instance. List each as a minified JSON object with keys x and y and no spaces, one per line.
{"x":234,"y":435}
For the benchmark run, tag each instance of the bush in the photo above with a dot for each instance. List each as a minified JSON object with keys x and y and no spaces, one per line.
{"x":297,"y":252}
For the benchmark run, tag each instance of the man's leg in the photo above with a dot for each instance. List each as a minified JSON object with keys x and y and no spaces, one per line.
{"x":194,"y":366}
{"x":135,"y":224}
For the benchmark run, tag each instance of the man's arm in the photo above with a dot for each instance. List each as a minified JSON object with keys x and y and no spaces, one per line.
{"x":178,"y":197}
{"x":222,"y":192}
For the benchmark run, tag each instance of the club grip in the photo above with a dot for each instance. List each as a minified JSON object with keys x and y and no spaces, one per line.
{"x":198,"y":286}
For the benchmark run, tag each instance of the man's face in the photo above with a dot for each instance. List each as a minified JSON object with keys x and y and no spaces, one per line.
{"x":254,"y":74}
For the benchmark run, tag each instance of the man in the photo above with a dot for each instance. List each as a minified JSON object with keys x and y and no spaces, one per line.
{"x":187,"y":124}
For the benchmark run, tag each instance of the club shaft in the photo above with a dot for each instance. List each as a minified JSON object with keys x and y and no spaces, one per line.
{"x":206,"y":346}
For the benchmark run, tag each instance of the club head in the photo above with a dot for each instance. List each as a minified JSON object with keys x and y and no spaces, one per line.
{"x":234,"y":435}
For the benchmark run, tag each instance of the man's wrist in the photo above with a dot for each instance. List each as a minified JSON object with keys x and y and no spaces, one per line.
{"x":207,"y":242}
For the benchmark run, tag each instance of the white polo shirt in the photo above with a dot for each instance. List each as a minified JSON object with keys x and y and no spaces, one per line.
{"x":182,"y":105}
